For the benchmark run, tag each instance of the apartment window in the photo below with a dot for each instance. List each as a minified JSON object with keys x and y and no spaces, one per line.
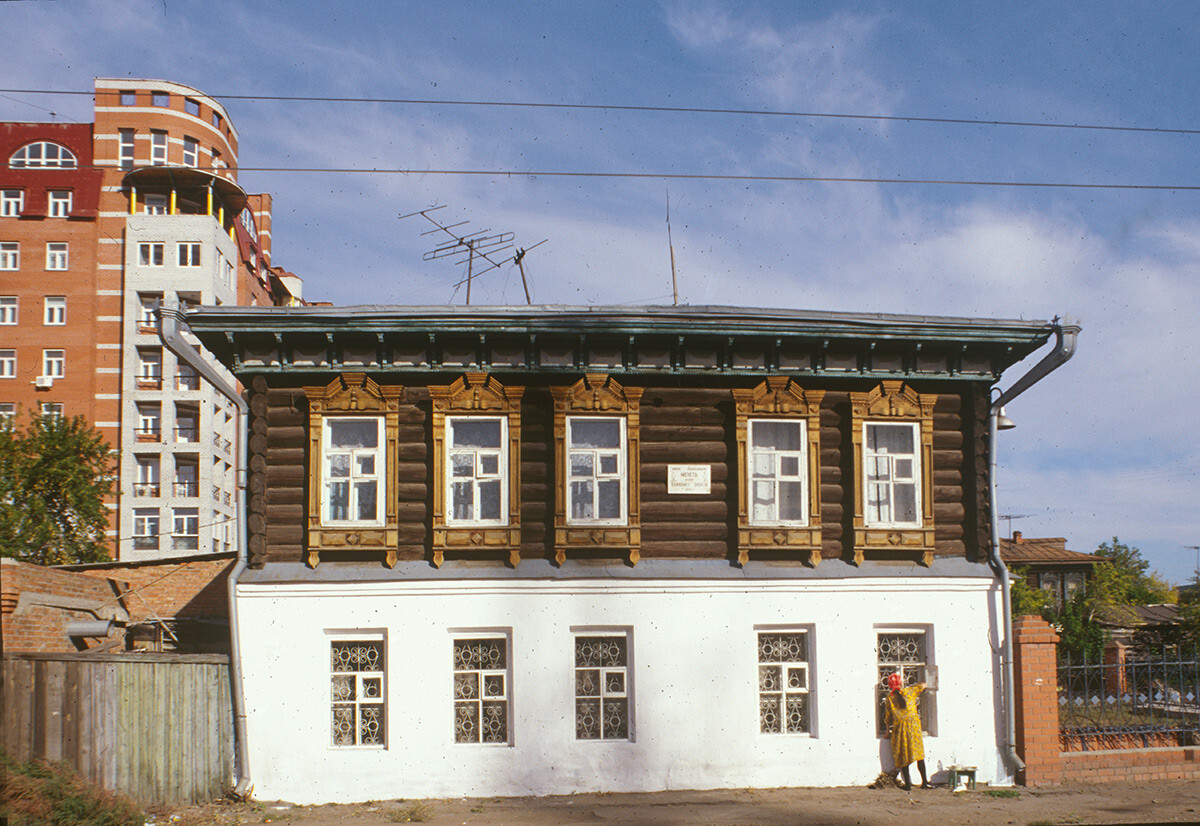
{"x":150,"y":254}
{"x":158,"y":148}
{"x":56,"y":256}
{"x":186,"y":536}
{"x":54,"y":363}
{"x":8,"y":364}
{"x":478,"y":464}
{"x":155,"y":204}
{"x":186,"y":378}
{"x":160,"y":99}
{"x":147,"y":476}
{"x":189,"y":254}
{"x":906,"y":651}
{"x":60,"y":201}
{"x":12,"y":202}
{"x":52,"y":410}
{"x":10,"y":255}
{"x":216,"y":119}
{"x":596,"y":469}
{"x":783,"y":683}
{"x":191,"y":152}
{"x":128,"y":97}
{"x":42,"y":154}
{"x":145,"y":529}
{"x":481,"y":690}
{"x":54,"y":310}
{"x":602,"y":687}
{"x":892,"y":470}
{"x":357,"y":699}
{"x":192,"y":107}
{"x":187,"y":424}
{"x":8,"y":411}
{"x":187,"y":477}
{"x":8,"y":309}
{"x":148,"y":304}
{"x":125,"y":143}
{"x":777,"y":470}
{"x":227,"y":274}
{"x":149,"y":427}
{"x":149,"y":368}
{"x":353,"y":465}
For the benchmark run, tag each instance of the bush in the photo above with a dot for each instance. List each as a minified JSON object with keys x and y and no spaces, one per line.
{"x":38,"y":793}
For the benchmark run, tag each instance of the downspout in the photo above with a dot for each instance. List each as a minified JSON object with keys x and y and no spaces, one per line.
{"x":1063,"y":350}
{"x":168,"y":331}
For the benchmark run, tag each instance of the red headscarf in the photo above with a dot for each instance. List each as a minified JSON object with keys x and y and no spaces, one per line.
{"x":895,"y":681}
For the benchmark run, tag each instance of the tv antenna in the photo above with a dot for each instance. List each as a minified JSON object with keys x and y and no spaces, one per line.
{"x":465,"y":247}
{"x":1011,"y":516}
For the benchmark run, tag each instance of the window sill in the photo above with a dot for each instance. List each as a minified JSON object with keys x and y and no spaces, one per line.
{"x":598,"y":537}
{"x":476,"y":538}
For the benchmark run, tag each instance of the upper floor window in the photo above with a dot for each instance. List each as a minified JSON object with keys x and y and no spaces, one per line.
{"x":160,"y":99}
{"x":56,"y":255}
{"x":8,"y":309}
{"x":148,"y":303}
{"x":52,"y":410}
{"x":12,"y":202}
{"x":192,"y":107}
{"x":128,"y":97}
{"x":158,"y":147}
{"x":60,"y":203}
{"x":55,"y":310}
{"x":777,"y":469}
{"x":189,"y":254}
{"x":145,"y":529}
{"x":155,"y":204}
{"x":8,"y":364}
{"x":893,"y":472}
{"x":216,"y":119}
{"x":125,"y":148}
{"x":353,"y":470}
{"x":54,"y":364}
{"x":477,"y":463}
{"x":186,"y":536}
{"x":8,"y":411}
{"x":10,"y":255}
{"x":596,"y":469}
{"x":150,"y":254}
{"x":43,"y":154}
{"x":191,"y":152}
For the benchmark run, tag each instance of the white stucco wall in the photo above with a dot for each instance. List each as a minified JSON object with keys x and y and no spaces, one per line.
{"x":693,"y":683}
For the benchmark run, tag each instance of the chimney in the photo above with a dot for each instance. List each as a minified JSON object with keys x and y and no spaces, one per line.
{"x":1017,"y":537}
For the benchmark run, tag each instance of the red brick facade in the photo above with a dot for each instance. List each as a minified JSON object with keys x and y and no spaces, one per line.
{"x":37,"y":604}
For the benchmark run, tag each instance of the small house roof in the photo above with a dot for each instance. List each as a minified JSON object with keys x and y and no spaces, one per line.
{"x":1022,"y":550}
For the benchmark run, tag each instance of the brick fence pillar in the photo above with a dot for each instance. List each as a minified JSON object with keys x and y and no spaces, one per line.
{"x":1114,"y":668}
{"x":1035,"y":678}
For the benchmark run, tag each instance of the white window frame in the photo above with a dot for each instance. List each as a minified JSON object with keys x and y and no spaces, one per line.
{"x":149,"y":364}
{"x":782,"y":685}
{"x":63,"y":158}
{"x":914,"y":672}
{"x":185,"y":535}
{"x":10,"y":255}
{"x":758,"y":475}
{"x":60,"y":201}
{"x":151,"y":254}
{"x":126,"y":151}
{"x":12,"y":202}
{"x":9,"y":307}
{"x":191,"y":151}
{"x":478,"y":476}
{"x":57,"y":255}
{"x":607,"y":690}
{"x":357,"y":689}
{"x":53,"y":410}
{"x":159,"y":144}
{"x":873,"y":516}
{"x":150,"y":419}
{"x":154,"y":203}
{"x":621,"y":473}
{"x":479,"y":688}
{"x":146,"y":528}
{"x":54,"y":310}
{"x":8,"y":411}
{"x":149,"y":478}
{"x":379,"y":477}
{"x":8,"y":364}
{"x":189,"y":253}
{"x":54,"y":364}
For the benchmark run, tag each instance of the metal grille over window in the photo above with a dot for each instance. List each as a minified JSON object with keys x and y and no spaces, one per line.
{"x":904,"y":652}
{"x":356,"y":692}
{"x":783,"y":683}
{"x":481,"y":690}
{"x":601,"y":688}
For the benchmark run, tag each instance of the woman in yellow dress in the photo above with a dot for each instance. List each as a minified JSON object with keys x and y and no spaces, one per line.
{"x":904,"y":728}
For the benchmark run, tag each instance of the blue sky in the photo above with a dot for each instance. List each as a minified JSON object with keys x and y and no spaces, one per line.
{"x":1102,"y":446}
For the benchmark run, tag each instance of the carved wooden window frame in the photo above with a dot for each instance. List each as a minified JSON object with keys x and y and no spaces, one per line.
{"x":598,"y":394}
{"x":892,"y":401}
{"x":477,"y":394}
{"x":779,"y":398}
{"x":352,"y":395}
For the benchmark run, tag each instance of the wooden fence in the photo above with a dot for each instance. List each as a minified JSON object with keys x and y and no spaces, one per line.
{"x":157,"y":727}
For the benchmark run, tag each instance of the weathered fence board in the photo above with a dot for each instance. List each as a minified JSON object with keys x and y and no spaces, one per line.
{"x":157,"y":727}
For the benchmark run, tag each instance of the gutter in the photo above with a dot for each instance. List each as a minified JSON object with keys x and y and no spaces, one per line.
{"x":1062,"y":352}
{"x":169,"y":321}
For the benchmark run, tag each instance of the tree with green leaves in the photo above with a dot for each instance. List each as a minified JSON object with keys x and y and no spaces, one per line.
{"x":55,"y":474}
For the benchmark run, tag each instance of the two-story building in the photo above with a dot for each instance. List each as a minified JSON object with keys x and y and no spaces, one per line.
{"x":501,"y":551}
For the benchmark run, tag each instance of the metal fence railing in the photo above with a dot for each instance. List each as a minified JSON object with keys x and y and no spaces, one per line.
{"x":1152,"y":701}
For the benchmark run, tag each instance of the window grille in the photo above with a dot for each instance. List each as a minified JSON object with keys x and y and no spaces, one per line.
{"x":783,"y":683}
{"x":906,"y":652}
{"x":356,"y":692}
{"x":481,"y":690}
{"x":602,"y":688}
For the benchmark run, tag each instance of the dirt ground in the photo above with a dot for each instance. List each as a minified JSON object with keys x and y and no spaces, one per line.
{"x":1077,"y":803}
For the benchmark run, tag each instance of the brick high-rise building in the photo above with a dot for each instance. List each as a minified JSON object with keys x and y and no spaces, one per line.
{"x":99,"y":224}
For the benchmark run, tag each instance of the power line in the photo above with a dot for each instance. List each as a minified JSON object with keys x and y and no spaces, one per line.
{"x":688,"y":110}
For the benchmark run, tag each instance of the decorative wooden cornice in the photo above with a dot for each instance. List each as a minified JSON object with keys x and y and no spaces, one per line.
{"x":892,"y":400}
{"x":353,"y":393}
{"x":475,"y":393}
{"x":781,"y":398}
{"x":596,"y":393}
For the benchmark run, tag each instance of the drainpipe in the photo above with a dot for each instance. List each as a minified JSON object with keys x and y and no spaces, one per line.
{"x":1063,"y":350}
{"x":169,"y":321}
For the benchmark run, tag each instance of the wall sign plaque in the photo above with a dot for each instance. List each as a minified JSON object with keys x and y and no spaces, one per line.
{"x":689,"y":479}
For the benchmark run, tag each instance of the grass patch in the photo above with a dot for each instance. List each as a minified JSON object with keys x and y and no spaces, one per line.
{"x":40,"y":793}
{"x":416,"y":812}
{"x":1002,"y":793}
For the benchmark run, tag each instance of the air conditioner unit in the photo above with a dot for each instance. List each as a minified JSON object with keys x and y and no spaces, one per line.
{"x":43,"y":382}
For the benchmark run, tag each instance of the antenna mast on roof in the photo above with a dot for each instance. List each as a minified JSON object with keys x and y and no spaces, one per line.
{"x":1011,"y":516}
{"x":465,"y":247}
